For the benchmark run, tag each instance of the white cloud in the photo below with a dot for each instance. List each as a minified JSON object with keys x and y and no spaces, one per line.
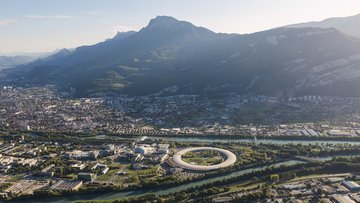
{"x":49,"y":17}
{"x":4,"y":22}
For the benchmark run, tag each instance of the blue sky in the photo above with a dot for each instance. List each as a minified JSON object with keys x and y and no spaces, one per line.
{"x":46,"y":25}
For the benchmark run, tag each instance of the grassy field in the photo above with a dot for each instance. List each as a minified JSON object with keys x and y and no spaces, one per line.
{"x":107,"y":176}
{"x":17,"y":177}
{"x":203,"y":158}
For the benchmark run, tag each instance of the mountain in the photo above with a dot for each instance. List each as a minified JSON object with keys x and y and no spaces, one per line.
{"x":175,"y":57}
{"x":11,"y":61}
{"x":349,"y":25}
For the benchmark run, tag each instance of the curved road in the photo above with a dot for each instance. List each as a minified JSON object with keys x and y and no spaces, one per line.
{"x":229,"y":156}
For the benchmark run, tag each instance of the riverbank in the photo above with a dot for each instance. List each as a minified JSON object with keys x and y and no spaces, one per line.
{"x":191,"y":136}
{"x":117,"y":195}
{"x":225,"y":140}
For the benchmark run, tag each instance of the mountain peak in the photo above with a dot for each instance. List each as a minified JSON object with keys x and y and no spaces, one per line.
{"x":63,"y":52}
{"x":163,"y":21}
{"x":167,"y":24}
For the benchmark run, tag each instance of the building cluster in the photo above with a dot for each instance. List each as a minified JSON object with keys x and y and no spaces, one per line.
{"x":28,"y":166}
{"x":326,"y":190}
{"x":37,"y":109}
{"x":145,"y":154}
{"x":336,"y":188}
{"x":45,"y":110}
{"x":14,"y":156}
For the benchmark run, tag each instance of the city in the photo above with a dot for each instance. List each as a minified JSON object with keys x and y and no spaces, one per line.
{"x":55,"y":146}
{"x":45,"y":110}
{"x":162,"y":101}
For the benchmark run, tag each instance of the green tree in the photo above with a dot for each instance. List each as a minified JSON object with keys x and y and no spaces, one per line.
{"x":274,"y":178}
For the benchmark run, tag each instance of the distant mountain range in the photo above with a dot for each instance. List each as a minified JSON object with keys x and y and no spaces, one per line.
{"x":175,"y":57}
{"x":11,"y":61}
{"x":349,"y":25}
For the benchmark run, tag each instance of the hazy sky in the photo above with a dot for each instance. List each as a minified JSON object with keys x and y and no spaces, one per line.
{"x":45,"y":25}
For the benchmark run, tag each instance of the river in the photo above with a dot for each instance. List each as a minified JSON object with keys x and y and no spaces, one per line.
{"x":116,"y":195}
{"x":227,"y":140}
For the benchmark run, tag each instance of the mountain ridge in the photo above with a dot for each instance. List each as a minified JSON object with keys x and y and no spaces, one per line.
{"x":175,"y":55}
{"x":349,"y":24}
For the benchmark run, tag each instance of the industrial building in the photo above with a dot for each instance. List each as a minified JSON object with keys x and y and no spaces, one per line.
{"x":351,"y":185}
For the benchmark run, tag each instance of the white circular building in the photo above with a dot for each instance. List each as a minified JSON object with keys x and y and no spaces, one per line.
{"x":230,"y":159}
